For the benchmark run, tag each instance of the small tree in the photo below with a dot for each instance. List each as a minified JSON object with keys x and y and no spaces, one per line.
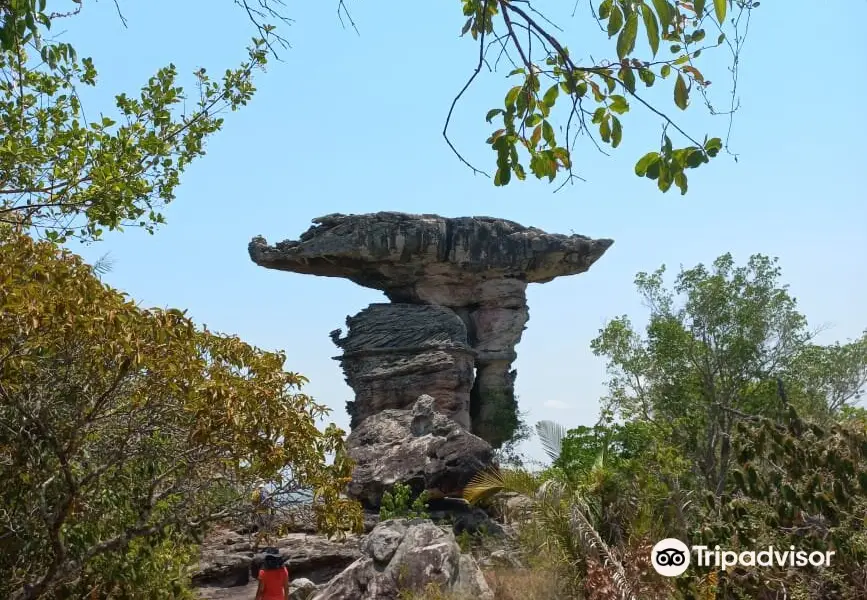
{"x":125,"y":432}
{"x":62,"y":174}
{"x":720,"y":341}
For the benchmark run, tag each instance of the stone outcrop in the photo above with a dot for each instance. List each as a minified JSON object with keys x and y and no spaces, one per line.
{"x":419,"y":447}
{"x":395,"y":556}
{"x":407,"y":555}
{"x":228,"y":560}
{"x":458,"y":309}
{"x":395,"y":353}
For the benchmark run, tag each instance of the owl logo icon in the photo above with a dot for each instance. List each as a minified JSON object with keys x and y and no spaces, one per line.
{"x":670,"y":557}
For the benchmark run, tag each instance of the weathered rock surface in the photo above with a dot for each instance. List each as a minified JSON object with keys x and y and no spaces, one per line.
{"x":420,"y":447}
{"x":395,"y":353}
{"x":458,"y":293}
{"x":228,"y":560}
{"x":407,"y":555}
{"x":429,"y":258}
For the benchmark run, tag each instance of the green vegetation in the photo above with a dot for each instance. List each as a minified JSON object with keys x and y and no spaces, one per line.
{"x":725,"y":424}
{"x":554,"y":96}
{"x":124,"y":433}
{"x":398,"y":503}
{"x":496,"y":419}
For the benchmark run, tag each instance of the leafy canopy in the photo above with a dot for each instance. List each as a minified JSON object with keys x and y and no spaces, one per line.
{"x":121,"y":426}
{"x":62,"y":174}
{"x":722,"y":340}
{"x":558,"y":95}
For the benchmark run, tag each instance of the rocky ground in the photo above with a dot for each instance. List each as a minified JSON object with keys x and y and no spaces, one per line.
{"x":391,"y":556}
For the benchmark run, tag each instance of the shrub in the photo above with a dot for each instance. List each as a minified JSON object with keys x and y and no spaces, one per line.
{"x":396,"y":504}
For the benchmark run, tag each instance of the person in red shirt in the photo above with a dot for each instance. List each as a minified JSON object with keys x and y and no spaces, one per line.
{"x":273,"y":578}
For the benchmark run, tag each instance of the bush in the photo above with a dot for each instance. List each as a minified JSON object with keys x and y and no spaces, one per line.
{"x":396,"y":504}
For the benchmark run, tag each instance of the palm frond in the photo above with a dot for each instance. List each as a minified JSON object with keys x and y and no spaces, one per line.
{"x":551,"y":436}
{"x":102,"y":265}
{"x":489,"y":482}
{"x":591,"y":538}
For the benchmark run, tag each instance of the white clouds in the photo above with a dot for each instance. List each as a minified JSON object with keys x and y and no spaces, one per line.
{"x":557,"y":404}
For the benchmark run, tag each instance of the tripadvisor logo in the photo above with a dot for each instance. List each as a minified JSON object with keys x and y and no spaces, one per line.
{"x":671,"y":557}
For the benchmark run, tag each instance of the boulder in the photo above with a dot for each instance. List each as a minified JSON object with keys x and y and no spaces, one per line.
{"x":407,"y":555}
{"x":301,"y":589}
{"x":421,"y":447}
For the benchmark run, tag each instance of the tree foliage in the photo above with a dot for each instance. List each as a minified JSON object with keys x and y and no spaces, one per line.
{"x":559,"y":95}
{"x":721,"y":342}
{"x":62,"y":174}
{"x":726,"y":425}
{"x":124,"y":431}
{"x":796,"y":483}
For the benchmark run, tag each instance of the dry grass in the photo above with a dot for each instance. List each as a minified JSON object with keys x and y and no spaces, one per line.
{"x":523,"y":584}
{"x":506,"y":584}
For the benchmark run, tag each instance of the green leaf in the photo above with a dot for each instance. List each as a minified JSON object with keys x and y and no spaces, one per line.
{"x":548,"y":133}
{"x":616,"y":132}
{"x":615,"y":21}
{"x":644,"y":162}
{"x":598,"y":115}
{"x":618,"y":104}
{"x":627,"y":76}
{"x":647,"y":76}
{"x":699,"y":7}
{"x":493,"y":113}
{"x":533,"y":120}
{"x":680,"y":93}
{"x":665,"y":179}
{"x":604,"y":9}
{"x":652,"y":27}
{"x":695,"y":158}
{"x":467,"y":26}
{"x":605,"y":131}
{"x":665,"y":71}
{"x":663,"y":9}
{"x":720,"y":8}
{"x":680,"y":181}
{"x":713,"y":146}
{"x":551,"y":95}
{"x":626,"y":39}
{"x":502,"y":176}
{"x":512,"y":95}
{"x":721,"y":38}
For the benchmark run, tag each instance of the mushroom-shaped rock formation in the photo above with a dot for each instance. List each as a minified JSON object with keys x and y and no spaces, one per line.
{"x":458,"y":292}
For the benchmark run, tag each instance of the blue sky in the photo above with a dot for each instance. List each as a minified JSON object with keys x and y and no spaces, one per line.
{"x":352,"y":124}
